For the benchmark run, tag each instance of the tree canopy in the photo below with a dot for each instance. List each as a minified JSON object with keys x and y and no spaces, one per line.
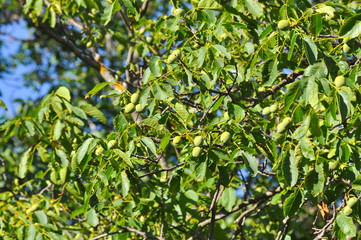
{"x":183,"y":120}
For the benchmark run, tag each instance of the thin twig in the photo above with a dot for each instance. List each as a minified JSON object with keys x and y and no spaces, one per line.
{"x":162,"y":170}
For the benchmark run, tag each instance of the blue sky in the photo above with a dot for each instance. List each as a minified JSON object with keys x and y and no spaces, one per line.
{"x":12,"y":84}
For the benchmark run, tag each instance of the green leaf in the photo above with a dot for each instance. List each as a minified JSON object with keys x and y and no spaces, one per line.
{"x":2,"y":104}
{"x":83,"y":150}
{"x":31,"y":233}
{"x":164,"y":143}
{"x":307,"y":149}
{"x":92,"y":218}
{"x":94,"y":112}
{"x":289,"y":169}
{"x":96,"y":89}
{"x":345,"y":102}
{"x":315,"y":180}
{"x":109,"y":11}
{"x":150,"y":144}
{"x":41,"y":217}
{"x":154,"y":66}
{"x":30,"y":127}
{"x":316,"y":24}
{"x":346,"y":224}
{"x":228,"y":198}
{"x":351,"y":27}
{"x":312,"y":91}
{"x":201,"y":169}
{"x":24,"y":163}
{"x":293,"y":203}
{"x":301,"y":131}
{"x":58,"y":128}
{"x":64,"y":93}
{"x":222,"y":50}
{"x":124,"y":156}
{"x":293,"y":90}
{"x":125,"y":184}
{"x":201,"y":57}
{"x":254,"y":7}
{"x":311,"y":50}
{"x":251,"y":163}
{"x":318,"y":70}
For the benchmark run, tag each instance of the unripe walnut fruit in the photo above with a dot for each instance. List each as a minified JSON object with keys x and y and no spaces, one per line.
{"x":352,"y":201}
{"x":111,"y":144}
{"x":284,"y":25}
{"x":196,"y":152}
{"x":225,"y":137}
{"x":135,"y":98}
{"x":173,"y":56}
{"x":339,"y":81}
{"x":139,"y":108}
{"x":347,"y":211}
{"x":273,"y":108}
{"x":177,"y":140}
{"x":198,"y":141}
{"x":266,"y":111}
{"x":129,"y":108}
{"x":346,"y":48}
{"x":332,"y":165}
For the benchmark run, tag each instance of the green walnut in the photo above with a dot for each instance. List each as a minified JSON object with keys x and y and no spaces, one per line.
{"x":347,"y":210}
{"x":273,"y":108}
{"x":282,"y":127}
{"x":287,"y":121}
{"x":332,"y":165}
{"x":339,"y":81}
{"x":135,"y":98}
{"x":198,"y":141}
{"x":173,"y":56}
{"x":177,"y":140}
{"x":266,"y":111}
{"x":99,"y":151}
{"x":284,"y":25}
{"x":346,"y":48}
{"x":352,"y":201}
{"x":139,"y":108}
{"x":196,"y":152}
{"x":225,"y":137}
{"x":111,"y":144}
{"x":129,"y":108}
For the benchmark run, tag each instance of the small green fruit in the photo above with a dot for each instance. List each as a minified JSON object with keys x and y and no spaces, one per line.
{"x":177,"y":140}
{"x":99,"y":151}
{"x":281,"y":128}
{"x":196,"y":152}
{"x":266,"y":111}
{"x":135,"y":98}
{"x":287,"y":121}
{"x":346,"y":48}
{"x":283,"y":25}
{"x":273,"y":108}
{"x":139,"y":108}
{"x":225,"y":137}
{"x":339,"y":81}
{"x":173,"y":56}
{"x":111,"y":144}
{"x":129,"y":108}
{"x":347,"y":211}
{"x":332,"y":165}
{"x":198,"y":141}
{"x":352,"y":201}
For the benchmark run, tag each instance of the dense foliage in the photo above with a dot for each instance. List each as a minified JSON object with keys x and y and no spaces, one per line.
{"x":184,"y":120}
